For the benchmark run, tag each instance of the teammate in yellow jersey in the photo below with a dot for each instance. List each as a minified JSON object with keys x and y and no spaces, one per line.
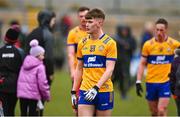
{"x":96,"y":54}
{"x":157,"y":55}
{"x":74,"y":36}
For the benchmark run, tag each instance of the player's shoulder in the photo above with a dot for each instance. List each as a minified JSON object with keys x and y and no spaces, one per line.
{"x":74,"y":30}
{"x":108,"y":40}
{"x":172,"y":40}
{"x":150,"y":42}
{"x":84,"y":40}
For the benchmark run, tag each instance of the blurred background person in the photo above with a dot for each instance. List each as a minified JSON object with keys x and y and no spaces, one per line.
{"x":22,"y":35}
{"x":126,"y":45}
{"x":147,"y":32}
{"x":65,"y":25}
{"x":43,"y":33}
{"x":174,"y":76}
{"x":10,"y":62}
{"x":62,"y":28}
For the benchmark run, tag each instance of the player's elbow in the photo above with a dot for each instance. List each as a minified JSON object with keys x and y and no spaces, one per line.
{"x":143,"y":63}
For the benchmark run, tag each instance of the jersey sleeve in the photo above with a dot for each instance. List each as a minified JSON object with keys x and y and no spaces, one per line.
{"x":177,"y":44}
{"x":71,"y":38}
{"x":112,"y":51}
{"x":144,"y":51}
{"x":79,"y":52}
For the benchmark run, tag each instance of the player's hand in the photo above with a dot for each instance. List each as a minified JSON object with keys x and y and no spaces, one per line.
{"x":91,"y":94}
{"x":74,"y":99}
{"x":139,"y":89}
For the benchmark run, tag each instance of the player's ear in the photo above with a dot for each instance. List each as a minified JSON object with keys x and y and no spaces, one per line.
{"x":100,"y":22}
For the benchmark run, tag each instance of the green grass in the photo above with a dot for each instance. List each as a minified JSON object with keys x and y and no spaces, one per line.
{"x":60,"y":104}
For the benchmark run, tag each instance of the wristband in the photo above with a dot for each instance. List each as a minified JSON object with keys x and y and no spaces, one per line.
{"x":138,"y":81}
{"x":96,"y":87}
{"x":73,"y":92}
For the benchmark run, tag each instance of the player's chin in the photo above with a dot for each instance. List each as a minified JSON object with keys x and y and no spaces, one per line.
{"x":88,"y":31}
{"x":160,"y":37}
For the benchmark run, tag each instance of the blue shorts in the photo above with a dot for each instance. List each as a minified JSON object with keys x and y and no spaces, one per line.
{"x":103,"y":100}
{"x":154,"y":91}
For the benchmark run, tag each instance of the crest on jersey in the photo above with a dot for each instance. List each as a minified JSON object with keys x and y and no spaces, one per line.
{"x":101,"y":48}
{"x":168,"y":49}
{"x":92,"y":48}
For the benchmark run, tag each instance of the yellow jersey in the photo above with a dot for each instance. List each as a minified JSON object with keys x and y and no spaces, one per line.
{"x":94,"y":54}
{"x":159,"y":57}
{"x":74,"y":36}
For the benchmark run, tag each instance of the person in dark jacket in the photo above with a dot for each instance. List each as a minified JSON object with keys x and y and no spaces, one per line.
{"x":126,"y":45}
{"x":11,"y":59}
{"x":174,"y":76}
{"x":43,"y":33}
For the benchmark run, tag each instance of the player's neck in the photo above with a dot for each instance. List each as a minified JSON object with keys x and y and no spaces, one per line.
{"x":97,"y":35}
{"x":160,"y":40}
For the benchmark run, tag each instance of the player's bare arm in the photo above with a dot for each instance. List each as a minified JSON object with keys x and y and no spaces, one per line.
{"x":107,"y":74}
{"x":71,"y":57}
{"x":142,"y":65}
{"x":78,"y":75}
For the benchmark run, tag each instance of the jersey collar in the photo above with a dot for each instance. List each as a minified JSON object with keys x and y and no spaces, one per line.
{"x":102,"y":36}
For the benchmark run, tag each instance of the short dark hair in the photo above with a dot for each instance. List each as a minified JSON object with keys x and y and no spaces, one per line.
{"x":83,"y":8}
{"x":95,"y":13}
{"x":162,"y":21}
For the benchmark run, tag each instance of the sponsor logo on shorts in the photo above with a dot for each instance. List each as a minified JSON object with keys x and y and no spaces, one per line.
{"x":166,"y":93}
{"x":105,"y":104}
